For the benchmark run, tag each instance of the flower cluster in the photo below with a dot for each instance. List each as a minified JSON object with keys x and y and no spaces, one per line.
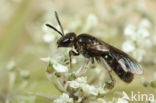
{"x":137,"y":39}
{"x":17,"y":91}
{"x":74,"y":85}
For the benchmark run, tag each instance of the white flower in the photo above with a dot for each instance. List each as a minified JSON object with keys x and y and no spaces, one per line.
{"x":145,"y":23}
{"x":48,"y":37}
{"x":64,"y":98}
{"x":46,"y":59}
{"x":60,"y":68}
{"x":130,"y":30}
{"x":11,"y":65}
{"x":92,"y":19}
{"x":74,"y":84}
{"x":74,"y":61}
{"x":77,"y":83}
{"x":120,"y":100}
{"x":24,"y":73}
{"x":57,"y":67}
{"x":91,"y":22}
{"x":143,"y":33}
{"x":88,"y":89}
{"x":101,"y":90}
{"x":128,"y":46}
{"x":81,"y":82}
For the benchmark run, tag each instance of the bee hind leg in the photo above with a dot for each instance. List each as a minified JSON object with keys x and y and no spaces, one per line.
{"x":109,"y":85}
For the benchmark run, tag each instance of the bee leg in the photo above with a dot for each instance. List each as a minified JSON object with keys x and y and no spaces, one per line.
{"x":84,"y":69}
{"x":72,"y":53}
{"x":109,"y":85}
{"x":87,"y":64}
{"x":92,"y":60}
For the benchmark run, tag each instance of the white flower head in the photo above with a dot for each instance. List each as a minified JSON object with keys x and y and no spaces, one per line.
{"x":138,"y":54}
{"x":60,"y":68}
{"x":128,"y":46}
{"x":11,"y":65}
{"x":64,"y":98}
{"x":77,"y":83}
{"x":48,"y":37}
{"x":101,"y":90}
{"x":89,"y":89}
{"x":91,"y":21}
{"x":57,"y":67}
{"x":74,"y":61}
{"x":46,"y":59}
{"x":81,"y":82}
{"x":130,"y":30}
{"x":142,"y":33}
{"x":25,"y":74}
{"x":145,"y":23}
{"x":74,"y":84}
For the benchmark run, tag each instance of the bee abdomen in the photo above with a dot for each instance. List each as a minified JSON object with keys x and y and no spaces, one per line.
{"x":113,"y":63}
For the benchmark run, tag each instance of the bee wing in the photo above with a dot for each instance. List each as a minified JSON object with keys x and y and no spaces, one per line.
{"x":131,"y":66}
{"x":127,"y":63}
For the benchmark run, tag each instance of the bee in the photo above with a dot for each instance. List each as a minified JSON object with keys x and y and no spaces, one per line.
{"x":94,"y":49}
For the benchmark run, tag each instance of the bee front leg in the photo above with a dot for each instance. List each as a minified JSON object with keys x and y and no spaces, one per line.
{"x":72,"y":53}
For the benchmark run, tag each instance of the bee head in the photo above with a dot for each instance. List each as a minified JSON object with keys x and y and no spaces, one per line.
{"x":66,"y":40}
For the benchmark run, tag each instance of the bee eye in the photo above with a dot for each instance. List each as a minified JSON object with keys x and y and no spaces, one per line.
{"x":66,"y":40}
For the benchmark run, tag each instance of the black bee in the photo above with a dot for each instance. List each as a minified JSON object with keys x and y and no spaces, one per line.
{"x":94,"y":49}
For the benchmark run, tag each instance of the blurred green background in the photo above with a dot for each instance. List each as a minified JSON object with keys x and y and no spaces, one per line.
{"x":24,"y":40}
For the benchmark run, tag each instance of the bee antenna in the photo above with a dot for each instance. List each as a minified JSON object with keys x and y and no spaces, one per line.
{"x":52,"y":27}
{"x":57,"y":18}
